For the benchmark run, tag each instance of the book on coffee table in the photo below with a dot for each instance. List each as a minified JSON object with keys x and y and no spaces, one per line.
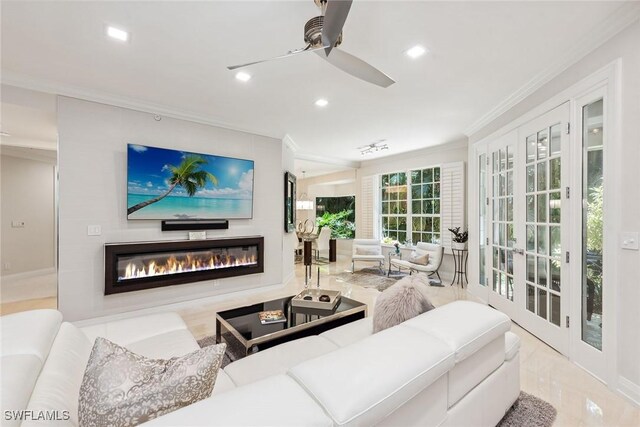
{"x":272,"y":316}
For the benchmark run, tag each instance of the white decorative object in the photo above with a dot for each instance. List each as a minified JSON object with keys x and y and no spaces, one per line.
{"x":458,"y":245}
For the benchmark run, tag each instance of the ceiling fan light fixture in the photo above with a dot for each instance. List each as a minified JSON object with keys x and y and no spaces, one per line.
{"x":243,"y":77}
{"x":416,"y":52}
{"x":321,"y":102}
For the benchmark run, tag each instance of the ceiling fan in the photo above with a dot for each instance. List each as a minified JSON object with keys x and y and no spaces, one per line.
{"x":323,"y":34}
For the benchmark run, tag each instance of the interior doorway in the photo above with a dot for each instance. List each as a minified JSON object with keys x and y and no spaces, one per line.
{"x":28,"y":185}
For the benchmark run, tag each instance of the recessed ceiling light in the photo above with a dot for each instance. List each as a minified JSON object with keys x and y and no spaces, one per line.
{"x":243,"y":77}
{"x":416,"y":51}
{"x":322,"y":102}
{"x":117,"y":34}
{"x":5,"y":134}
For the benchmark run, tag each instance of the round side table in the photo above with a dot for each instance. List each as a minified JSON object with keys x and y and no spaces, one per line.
{"x":460,"y":257}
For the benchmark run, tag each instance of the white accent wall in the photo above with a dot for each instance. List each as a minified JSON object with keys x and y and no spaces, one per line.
{"x":93,"y":188}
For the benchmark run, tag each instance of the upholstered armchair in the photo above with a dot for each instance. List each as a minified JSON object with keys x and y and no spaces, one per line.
{"x":434,"y":254}
{"x":368,"y":250}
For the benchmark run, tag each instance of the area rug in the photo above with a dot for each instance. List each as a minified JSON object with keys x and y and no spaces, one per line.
{"x":529,"y":411}
{"x":368,"y":278}
{"x":233,"y":352}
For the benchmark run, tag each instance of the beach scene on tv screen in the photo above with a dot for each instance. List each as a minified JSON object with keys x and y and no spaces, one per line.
{"x":172,"y":184}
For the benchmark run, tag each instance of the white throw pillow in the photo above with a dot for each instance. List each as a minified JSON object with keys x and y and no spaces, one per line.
{"x":421,"y":259}
{"x":121,"y":388}
{"x":366,"y":250}
{"x":401,"y":301}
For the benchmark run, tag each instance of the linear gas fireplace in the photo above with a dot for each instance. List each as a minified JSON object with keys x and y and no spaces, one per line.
{"x":136,"y":266}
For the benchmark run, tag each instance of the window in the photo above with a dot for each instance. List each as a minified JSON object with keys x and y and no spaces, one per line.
{"x":410,"y":205}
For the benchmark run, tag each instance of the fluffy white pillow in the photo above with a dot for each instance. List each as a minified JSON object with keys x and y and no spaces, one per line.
{"x":401,"y":301}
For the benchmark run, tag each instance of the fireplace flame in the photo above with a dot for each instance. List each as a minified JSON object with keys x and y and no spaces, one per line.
{"x":186,"y":264}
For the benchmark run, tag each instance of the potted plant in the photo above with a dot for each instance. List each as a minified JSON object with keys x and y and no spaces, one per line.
{"x":459,"y":240}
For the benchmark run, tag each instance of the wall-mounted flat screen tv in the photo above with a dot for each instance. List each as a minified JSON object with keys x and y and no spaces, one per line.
{"x":165,"y":184}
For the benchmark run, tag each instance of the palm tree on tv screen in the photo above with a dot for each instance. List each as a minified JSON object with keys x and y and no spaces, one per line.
{"x":187,"y":175}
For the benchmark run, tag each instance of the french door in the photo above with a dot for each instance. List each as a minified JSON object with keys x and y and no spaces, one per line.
{"x":528,"y":232}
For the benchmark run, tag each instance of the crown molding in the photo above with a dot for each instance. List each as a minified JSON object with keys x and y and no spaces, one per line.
{"x":624,"y":16}
{"x":327,"y":160}
{"x":42,"y":85}
{"x":289,"y":142}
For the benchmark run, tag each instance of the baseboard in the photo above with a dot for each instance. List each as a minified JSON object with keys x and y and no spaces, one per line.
{"x":11,"y":278}
{"x":629,"y":389}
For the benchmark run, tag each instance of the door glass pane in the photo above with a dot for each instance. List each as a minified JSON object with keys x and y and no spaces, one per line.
{"x":531,"y":148}
{"x":531,"y":238}
{"x":592,"y":223}
{"x":531,"y":178}
{"x":554,"y":265}
{"x":554,"y":173}
{"x":531,"y":268}
{"x":542,"y":239}
{"x":543,"y":140}
{"x":542,"y":176}
{"x":554,"y":241}
{"x":542,"y":303}
{"x":531,"y":298}
{"x":555,"y":309}
{"x":554,"y":146}
{"x":542,"y":208}
{"x":542,"y":271}
{"x":531,"y":209}
{"x":482,"y":222}
{"x":554,"y":207}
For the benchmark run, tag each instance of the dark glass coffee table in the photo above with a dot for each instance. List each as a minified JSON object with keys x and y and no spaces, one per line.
{"x":243,"y":326}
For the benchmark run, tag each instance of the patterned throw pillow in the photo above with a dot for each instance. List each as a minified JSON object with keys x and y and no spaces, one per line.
{"x":417,"y":258}
{"x":121,"y":388}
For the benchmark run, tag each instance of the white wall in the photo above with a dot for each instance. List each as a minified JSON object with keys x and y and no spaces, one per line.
{"x":289,"y":240}
{"x":626,"y":46}
{"x":92,"y":191}
{"x":27,"y":194}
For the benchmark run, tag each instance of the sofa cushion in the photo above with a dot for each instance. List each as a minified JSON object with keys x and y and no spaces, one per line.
{"x":367,"y":250}
{"x":402,"y":301}
{"x":464,"y":325}
{"x":511,"y":345}
{"x":127,"y":331}
{"x":27,"y":338}
{"x":277,"y":360}
{"x":470,"y":372}
{"x":393,"y":365}
{"x":350,"y":333}
{"x":273,"y":401}
{"x":19,"y":374}
{"x":121,"y":388}
{"x":223,"y":383}
{"x":30,"y":332}
{"x":59,"y":382}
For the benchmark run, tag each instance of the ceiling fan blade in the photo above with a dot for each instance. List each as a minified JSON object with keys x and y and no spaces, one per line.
{"x":357,"y":68}
{"x":291,"y":53}
{"x":334,"y":19}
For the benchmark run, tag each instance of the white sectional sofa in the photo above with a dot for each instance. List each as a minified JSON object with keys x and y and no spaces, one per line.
{"x":456,"y":365}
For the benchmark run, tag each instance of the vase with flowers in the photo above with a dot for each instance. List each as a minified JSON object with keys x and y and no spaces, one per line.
{"x":396,"y":244}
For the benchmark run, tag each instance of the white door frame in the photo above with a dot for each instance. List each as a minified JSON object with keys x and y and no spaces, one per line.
{"x":608,"y":79}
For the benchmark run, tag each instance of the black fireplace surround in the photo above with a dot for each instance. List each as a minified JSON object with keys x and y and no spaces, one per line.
{"x":136,"y":266}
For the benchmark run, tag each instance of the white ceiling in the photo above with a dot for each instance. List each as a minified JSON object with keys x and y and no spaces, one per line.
{"x":29,"y":118}
{"x":480,"y":53}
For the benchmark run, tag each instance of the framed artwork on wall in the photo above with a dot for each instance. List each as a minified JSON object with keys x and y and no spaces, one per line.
{"x":289,"y":202}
